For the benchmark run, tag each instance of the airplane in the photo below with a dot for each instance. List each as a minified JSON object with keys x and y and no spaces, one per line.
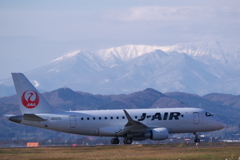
{"x":131,"y":124}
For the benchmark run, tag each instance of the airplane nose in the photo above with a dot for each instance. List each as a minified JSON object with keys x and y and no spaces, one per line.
{"x":221,"y":124}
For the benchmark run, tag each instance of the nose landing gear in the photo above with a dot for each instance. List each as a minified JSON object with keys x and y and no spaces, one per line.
{"x":196,"y":140}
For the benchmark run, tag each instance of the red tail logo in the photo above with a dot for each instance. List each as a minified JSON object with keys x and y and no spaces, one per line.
{"x":30,"y":99}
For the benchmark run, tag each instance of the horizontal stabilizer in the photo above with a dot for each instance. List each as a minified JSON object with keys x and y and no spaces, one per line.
{"x":9,"y":115}
{"x":33,"y":117}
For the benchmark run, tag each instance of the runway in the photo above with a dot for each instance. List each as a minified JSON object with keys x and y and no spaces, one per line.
{"x":165,"y":151}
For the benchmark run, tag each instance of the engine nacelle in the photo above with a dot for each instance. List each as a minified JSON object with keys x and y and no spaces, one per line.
{"x":157,"y":134}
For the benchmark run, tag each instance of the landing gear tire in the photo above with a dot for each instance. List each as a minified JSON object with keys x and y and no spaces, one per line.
{"x":127,"y":141}
{"x":196,"y":140}
{"x":115,"y":141}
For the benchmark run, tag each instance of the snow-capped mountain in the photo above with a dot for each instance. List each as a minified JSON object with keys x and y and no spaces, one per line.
{"x":128,"y":52}
{"x":200,"y":68}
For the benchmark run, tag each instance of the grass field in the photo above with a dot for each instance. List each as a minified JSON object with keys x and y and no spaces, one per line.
{"x":208,"y":151}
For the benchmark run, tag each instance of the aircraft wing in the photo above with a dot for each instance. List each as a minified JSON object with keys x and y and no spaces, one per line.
{"x":132,"y":126}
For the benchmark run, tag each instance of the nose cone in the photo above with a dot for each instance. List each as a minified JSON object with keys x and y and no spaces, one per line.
{"x":213,"y":123}
{"x":222,"y":125}
{"x":216,"y":124}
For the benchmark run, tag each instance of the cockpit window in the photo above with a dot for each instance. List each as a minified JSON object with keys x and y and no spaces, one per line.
{"x":208,"y":114}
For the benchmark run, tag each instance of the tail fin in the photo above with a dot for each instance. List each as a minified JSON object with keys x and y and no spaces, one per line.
{"x":29,"y":99}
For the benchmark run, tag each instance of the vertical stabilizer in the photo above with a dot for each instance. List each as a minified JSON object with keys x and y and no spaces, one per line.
{"x":29,"y":99}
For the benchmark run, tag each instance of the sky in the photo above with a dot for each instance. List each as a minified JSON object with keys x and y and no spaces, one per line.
{"x":33,"y":33}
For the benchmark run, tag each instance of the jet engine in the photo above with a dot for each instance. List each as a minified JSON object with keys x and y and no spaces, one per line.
{"x":157,"y":134}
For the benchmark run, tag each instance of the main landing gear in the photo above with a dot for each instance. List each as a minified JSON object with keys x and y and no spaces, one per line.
{"x":127,"y":140}
{"x":196,"y":140}
{"x":115,"y":141}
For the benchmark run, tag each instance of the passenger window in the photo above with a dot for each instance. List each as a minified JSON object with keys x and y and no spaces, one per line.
{"x":105,"y":117}
{"x":208,"y":114}
{"x":123,"y":117}
{"x":117,"y":117}
{"x":100,"y":118}
{"x":87,"y":118}
{"x":82,"y":118}
{"x":93,"y":118}
{"x":111,"y":117}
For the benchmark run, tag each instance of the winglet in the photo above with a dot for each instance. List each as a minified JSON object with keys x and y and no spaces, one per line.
{"x":132,"y":126}
{"x":128,"y":116}
{"x":131,"y":121}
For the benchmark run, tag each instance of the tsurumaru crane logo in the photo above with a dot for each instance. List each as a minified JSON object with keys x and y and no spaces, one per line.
{"x":30,"y":99}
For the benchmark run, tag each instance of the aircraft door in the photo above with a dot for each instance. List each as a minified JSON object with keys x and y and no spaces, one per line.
{"x":73,"y":121}
{"x":195,"y":117}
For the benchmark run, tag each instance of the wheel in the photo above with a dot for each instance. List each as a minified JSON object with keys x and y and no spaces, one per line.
{"x":127,"y":141}
{"x":115,"y":141}
{"x":197,"y":140}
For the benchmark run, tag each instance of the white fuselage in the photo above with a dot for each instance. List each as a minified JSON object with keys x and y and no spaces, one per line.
{"x":109,"y":122}
{"x":132,"y":124}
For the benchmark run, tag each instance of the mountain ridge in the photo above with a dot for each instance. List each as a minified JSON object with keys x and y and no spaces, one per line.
{"x":224,"y":106}
{"x":199,"y":68}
